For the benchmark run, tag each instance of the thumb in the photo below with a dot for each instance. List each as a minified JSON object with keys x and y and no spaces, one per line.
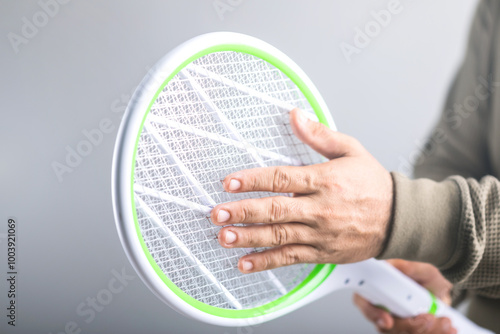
{"x":329,"y":143}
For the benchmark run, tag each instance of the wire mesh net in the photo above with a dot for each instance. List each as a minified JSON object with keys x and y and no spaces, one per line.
{"x":224,"y":112}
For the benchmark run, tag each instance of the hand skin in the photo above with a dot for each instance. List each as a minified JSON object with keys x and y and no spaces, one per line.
{"x":339,"y":213}
{"x":426,"y":275}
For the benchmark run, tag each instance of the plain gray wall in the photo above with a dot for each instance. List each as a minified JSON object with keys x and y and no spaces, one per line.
{"x":82,"y":65}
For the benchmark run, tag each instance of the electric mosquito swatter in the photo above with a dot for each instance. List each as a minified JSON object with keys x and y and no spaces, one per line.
{"x":217,"y":104}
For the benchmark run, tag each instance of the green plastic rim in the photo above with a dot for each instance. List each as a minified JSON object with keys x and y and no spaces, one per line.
{"x":434,"y":305}
{"x":320,"y":272}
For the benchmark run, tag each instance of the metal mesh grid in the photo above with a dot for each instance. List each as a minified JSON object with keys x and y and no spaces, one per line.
{"x":225,"y":112}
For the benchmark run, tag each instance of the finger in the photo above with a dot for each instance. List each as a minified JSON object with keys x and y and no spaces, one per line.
{"x":418,"y":271}
{"x":443,"y":325}
{"x":381,"y":318}
{"x":319,"y":137}
{"x":283,"y":179}
{"x":424,"y":323}
{"x":266,"y":235}
{"x":277,"y":257}
{"x":268,"y":210}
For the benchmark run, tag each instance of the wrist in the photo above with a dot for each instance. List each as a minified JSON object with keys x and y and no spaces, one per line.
{"x":425,"y":221}
{"x":388,"y":215}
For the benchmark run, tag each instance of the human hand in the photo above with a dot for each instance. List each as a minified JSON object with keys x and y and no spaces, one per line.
{"x":429,"y":277}
{"x":340,"y":211}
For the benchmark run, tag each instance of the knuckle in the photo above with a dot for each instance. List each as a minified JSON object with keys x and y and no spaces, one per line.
{"x":267,"y":261}
{"x":280,"y":235}
{"x":323,"y":256}
{"x":309,"y":180}
{"x":298,"y":211}
{"x":277,"y":211}
{"x":289,"y":256}
{"x":245,"y":238}
{"x":253,"y":182}
{"x":327,"y":177}
{"x":353,"y":143}
{"x":324,"y":216}
{"x":281,"y":180}
{"x":245,"y":214}
{"x":318,"y":130}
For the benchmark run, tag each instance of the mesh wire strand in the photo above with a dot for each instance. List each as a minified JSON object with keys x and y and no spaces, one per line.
{"x":254,"y":122}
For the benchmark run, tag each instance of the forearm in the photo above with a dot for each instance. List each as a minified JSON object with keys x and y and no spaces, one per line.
{"x":476,"y":264}
{"x":453,"y":224}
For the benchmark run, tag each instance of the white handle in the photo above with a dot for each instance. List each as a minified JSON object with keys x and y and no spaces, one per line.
{"x":385,"y":286}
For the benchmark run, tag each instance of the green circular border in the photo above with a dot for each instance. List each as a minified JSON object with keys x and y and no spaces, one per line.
{"x":317,"y":275}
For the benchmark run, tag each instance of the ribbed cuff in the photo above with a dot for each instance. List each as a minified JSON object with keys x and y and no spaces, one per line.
{"x":426,"y":220}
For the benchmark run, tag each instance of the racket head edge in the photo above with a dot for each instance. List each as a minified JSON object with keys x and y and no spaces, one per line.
{"x":123,"y":168}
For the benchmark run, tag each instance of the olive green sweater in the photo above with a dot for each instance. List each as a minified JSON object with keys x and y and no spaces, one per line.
{"x":450,"y":215}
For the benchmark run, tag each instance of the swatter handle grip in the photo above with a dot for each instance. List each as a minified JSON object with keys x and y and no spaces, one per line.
{"x":385,"y":286}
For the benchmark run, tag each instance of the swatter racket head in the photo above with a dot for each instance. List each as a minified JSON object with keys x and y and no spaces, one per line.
{"x":214,"y":105}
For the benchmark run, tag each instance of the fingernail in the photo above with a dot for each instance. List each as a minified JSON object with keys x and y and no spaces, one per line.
{"x":381,"y":323}
{"x":301,"y":117}
{"x":446,"y":326}
{"x":247,"y":265}
{"x":230,"y":237}
{"x":222,"y":216}
{"x":234,"y":185}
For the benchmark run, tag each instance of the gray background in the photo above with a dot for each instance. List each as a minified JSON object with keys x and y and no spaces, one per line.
{"x":86,"y":61}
